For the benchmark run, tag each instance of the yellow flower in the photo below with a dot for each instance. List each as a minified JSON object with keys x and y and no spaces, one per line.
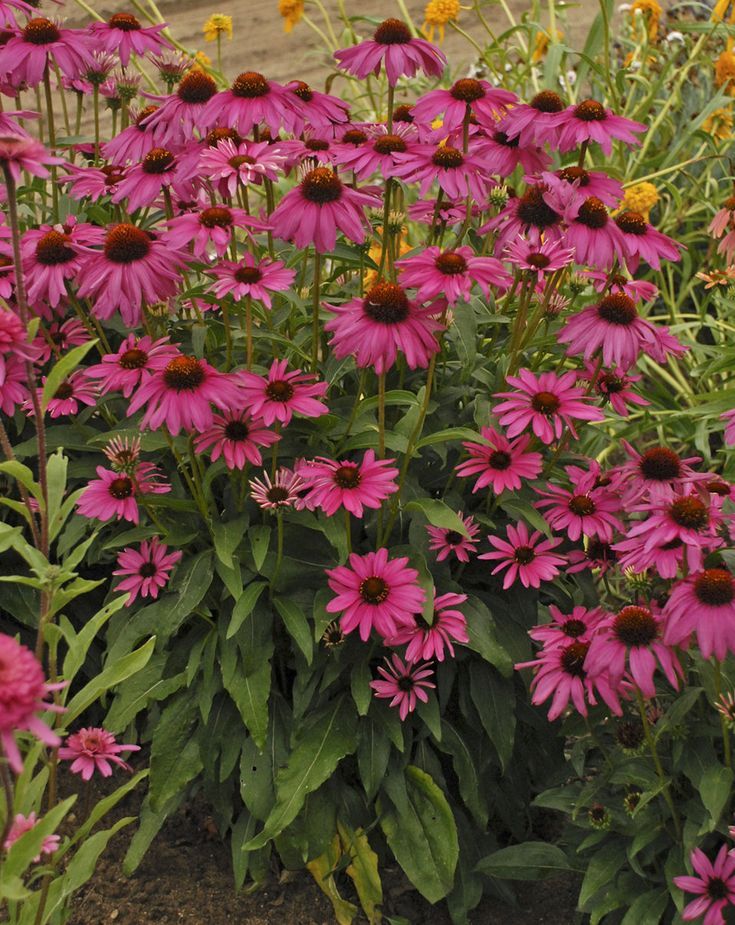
{"x":541,"y":45}
{"x":640,"y":198}
{"x":292,"y":11}
{"x":376,"y":249}
{"x":436,"y":16}
{"x":203,"y":61}
{"x":719,"y":10}
{"x":719,"y":124}
{"x":725,"y":72}
{"x":217,"y":24}
{"x":651,"y":11}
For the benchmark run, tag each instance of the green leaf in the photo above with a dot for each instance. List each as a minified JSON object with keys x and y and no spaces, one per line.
{"x":23,"y":475}
{"x":715,"y":789}
{"x":360,"y":679}
{"x":61,"y":369}
{"x":260,"y":538}
{"x":297,"y":625}
{"x":175,"y":758}
{"x":56,"y":467}
{"x":149,"y":826}
{"x":320,"y":745}
{"x":452,"y":433}
{"x":532,"y":860}
{"x":601,"y":871}
{"x":438,"y":514}
{"x":79,"y":643}
{"x":28,"y":846}
{"x":227,"y":537}
{"x":244,"y":606}
{"x":483,"y":636}
{"x":494,"y":700}
{"x":373,"y":752}
{"x":420,"y":829}
{"x":112,"y":674}
{"x":192,"y":583}
{"x":647,"y":909}
{"x":363,"y":870}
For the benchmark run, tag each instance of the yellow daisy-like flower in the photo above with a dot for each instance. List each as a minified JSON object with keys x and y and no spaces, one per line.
{"x":541,"y":45}
{"x":292,"y":11}
{"x":720,"y":9}
{"x":437,"y":14}
{"x":218,"y":24}
{"x":725,"y":72}
{"x":203,"y":61}
{"x":651,"y":11}
{"x":640,"y":198}
{"x":719,"y":124}
{"x":370,"y":277}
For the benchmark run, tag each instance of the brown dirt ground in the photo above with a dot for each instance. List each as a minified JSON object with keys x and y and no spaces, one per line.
{"x":186,"y":879}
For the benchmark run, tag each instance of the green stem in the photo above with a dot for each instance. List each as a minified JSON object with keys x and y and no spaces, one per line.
{"x":381,"y":416}
{"x":248,"y":332}
{"x":391,"y":96}
{"x":96,"y":105}
{"x":650,"y":741}
{"x":279,"y":551}
{"x":723,"y":721}
{"x":51,"y":139}
{"x":348,"y":531}
{"x":315,"y":310}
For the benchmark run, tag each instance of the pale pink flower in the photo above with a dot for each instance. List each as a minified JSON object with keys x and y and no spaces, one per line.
{"x":526,"y":556}
{"x":21,"y":825}
{"x":332,"y":484}
{"x":252,"y":278}
{"x":283,"y":491}
{"x":713,"y":885}
{"x":425,"y":642}
{"x":115,"y":494}
{"x":446,"y":542}
{"x":236,"y":436}
{"x":94,"y":749}
{"x":500,"y":463}
{"x":282,"y":394}
{"x":147,"y":569}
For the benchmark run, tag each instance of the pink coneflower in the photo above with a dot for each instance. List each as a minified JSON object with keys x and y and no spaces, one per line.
{"x":458,"y":175}
{"x":405,"y":684}
{"x":713,"y":885}
{"x":542,"y":258}
{"x":8,"y":10}
{"x":317,"y":110}
{"x":123,"y":453}
{"x":232,"y":165}
{"x":114,"y":494}
{"x":564,"y":628}
{"x":596,"y":239}
{"x":547,"y":403}
{"x":235,"y":436}
{"x":664,"y":559}
{"x":703,"y":604}
{"x":51,"y":256}
{"x":376,"y":327}
{"x":426,"y":642}
{"x":657,"y":473}
{"x":382,"y":152}
{"x":123,"y":35}
{"x":283,"y":491}
{"x":451,"y":273}
{"x":131,"y":269}
{"x":92,"y":749}
{"x":729,"y":418}
{"x":426,"y":212}
{"x":92,"y":182}
{"x":640,"y":290}
{"x":331,"y":484}
{"x":23,"y":693}
{"x":446,"y":542}
{"x":587,"y":509}
{"x":485,"y":102}
{"x":58,"y":338}
{"x":134,"y":142}
{"x":181,"y":394}
{"x":613,"y":385}
{"x":253,"y":100}
{"x":71,"y":393}
{"x":632,"y":638}
{"x":724,"y":221}
{"x":252,"y":278}
{"x":590,"y":183}
{"x":135,"y":360}
{"x":538,"y":122}
{"x":13,"y":335}
{"x":42,"y":43}
{"x":528,"y":215}
{"x":13,"y":383}
{"x":158,"y":170}
{"x":527,"y":557}
{"x":21,"y":825}
{"x":501,"y":463}
{"x":21,"y":154}
{"x":686,"y":519}
{"x":643,"y":242}
{"x":560,"y":674}
{"x":589,"y":121}
{"x":210,"y":227}
{"x":501,"y":155}
{"x":283,"y":394}
{"x":393,"y":47}
{"x":180,"y":114}
{"x":312,"y":212}
{"x":595,"y":555}
{"x":148,"y":569}
{"x":375,"y":593}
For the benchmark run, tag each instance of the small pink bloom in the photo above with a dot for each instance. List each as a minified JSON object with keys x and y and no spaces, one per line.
{"x":642,"y":241}
{"x":158,"y":170}
{"x":526,"y":556}
{"x":375,"y":593}
{"x":485,"y":102}
{"x":501,"y":463}
{"x":331,"y":484}
{"x":20,"y":153}
{"x":283,"y":394}
{"x":393,"y":47}
{"x":91,"y":182}
{"x":426,"y":642}
{"x":253,"y":100}
{"x":39,"y":44}
{"x":13,"y":383}
{"x":58,"y":338}
{"x":181,"y":395}
{"x":538,"y":122}
{"x":237,"y":437}
{"x":640,"y":290}
{"x":93,"y":749}
{"x":547,"y":403}
{"x":21,"y":825}
{"x":132,"y":144}
{"x":703,"y":605}
{"x":541,"y":258}
{"x":251,"y":278}
{"x":527,"y":215}
{"x":283,"y":491}
{"x":501,"y":155}
{"x":23,"y":694}
{"x":656,"y":474}
{"x":212,"y":227}
{"x":613,"y":385}
{"x":114,"y":494}
{"x":180,"y":114}
{"x":317,"y":110}
{"x":447,"y":542}
{"x":233,"y":165}
{"x":451,"y":273}
{"x":148,"y":569}
{"x":685,"y":518}
{"x":71,"y":393}
{"x":713,"y":885}
{"x":564,"y":628}
{"x":124,"y":35}
{"x":589,"y":121}
{"x":457,"y":174}
{"x":404,"y":683}
{"x":51,"y":256}
{"x":135,"y":361}
{"x":596,"y":555}
{"x":376,"y":327}
{"x":588,"y":508}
